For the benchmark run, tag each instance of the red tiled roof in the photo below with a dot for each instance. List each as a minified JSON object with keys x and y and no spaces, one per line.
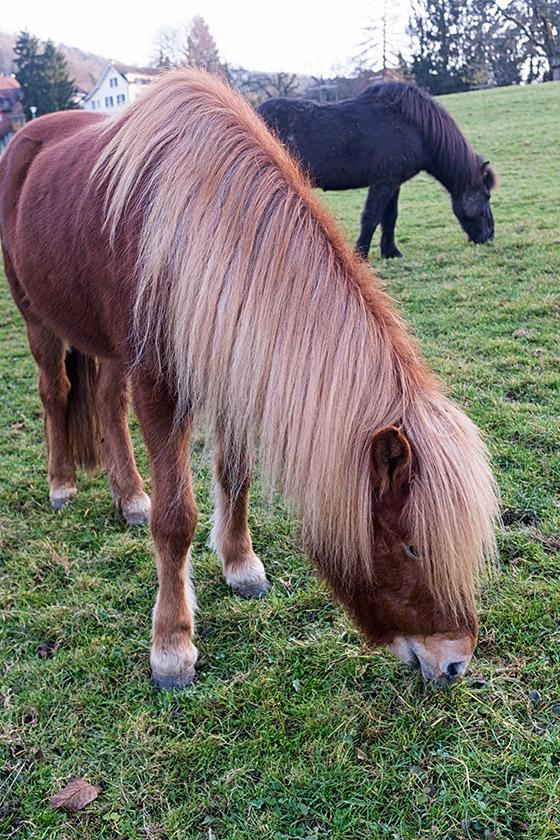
{"x":8,"y":83}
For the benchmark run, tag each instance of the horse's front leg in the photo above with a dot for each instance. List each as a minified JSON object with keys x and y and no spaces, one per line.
{"x":173,"y":519}
{"x":230,"y":536}
{"x":113,"y":401}
{"x":388,"y":221}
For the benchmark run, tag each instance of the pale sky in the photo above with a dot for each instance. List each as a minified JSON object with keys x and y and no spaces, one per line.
{"x":302,"y":36}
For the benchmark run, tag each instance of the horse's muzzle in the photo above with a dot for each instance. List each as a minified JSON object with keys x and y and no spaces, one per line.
{"x":441,"y":658}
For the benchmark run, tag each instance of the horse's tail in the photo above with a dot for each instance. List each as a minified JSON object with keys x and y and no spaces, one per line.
{"x":85,"y":435}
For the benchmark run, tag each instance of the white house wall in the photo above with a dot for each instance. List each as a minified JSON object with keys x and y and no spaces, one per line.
{"x":110,"y":95}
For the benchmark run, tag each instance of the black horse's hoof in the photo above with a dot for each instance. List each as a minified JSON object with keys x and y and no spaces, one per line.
{"x":168,"y":682}
{"x":255,"y":591}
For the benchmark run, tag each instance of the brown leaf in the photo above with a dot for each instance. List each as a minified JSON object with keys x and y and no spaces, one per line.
{"x":76,"y":795}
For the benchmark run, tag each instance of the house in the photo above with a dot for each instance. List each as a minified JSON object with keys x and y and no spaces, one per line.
{"x":118,"y":85}
{"x":11,"y":108}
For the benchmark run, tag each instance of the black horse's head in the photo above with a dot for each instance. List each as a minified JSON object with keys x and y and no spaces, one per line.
{"x":472,"y":205}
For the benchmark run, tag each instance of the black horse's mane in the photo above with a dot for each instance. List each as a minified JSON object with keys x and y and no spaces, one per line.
{"x":456,"y":160}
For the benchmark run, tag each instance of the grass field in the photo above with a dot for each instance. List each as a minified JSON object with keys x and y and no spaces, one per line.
{"x":293,"y":728}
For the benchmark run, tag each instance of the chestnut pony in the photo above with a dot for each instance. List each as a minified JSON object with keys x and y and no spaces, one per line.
{"x":179,"y":248}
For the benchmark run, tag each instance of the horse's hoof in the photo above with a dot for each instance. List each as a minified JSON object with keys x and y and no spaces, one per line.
{"x":169,"y":682}
{"x":60,"y":496}
{"x":138,"y":511}
{"x":252,"y":590}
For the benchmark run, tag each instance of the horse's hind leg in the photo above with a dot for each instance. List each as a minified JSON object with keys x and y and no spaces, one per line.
{"x":230,"y":537}
{"x":49,"y":352}
{"x":113,"y":402}
{"x":388,"y":222}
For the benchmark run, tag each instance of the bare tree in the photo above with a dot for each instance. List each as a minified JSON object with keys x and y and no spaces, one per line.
{"x":276,"y":84}
{"x":188,"y":43}
{"x":384,"y":37}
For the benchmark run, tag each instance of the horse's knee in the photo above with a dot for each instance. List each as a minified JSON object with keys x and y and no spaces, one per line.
{"x":173,"y":525}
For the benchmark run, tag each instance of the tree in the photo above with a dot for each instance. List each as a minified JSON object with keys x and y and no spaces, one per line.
{"x":28,"y":65}
{"x":537,"y":23}
{"x":276,"y":84}
{"x":461,"y":44}
{"x":383,"y":38}
{"x":190,"y":43}
{"x":58,"y":88}
{"x":201,"y":47}
{"x":43,"y":77}
{"x":436,"y":27}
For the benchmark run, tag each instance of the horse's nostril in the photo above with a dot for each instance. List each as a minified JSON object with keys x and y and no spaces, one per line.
{"x":453,"y":670}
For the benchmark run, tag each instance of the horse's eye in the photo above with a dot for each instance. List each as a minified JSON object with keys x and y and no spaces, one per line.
{"x":411,"y":551}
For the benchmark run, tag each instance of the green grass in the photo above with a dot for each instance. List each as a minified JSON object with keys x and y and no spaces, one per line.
{"x":293,"y":728}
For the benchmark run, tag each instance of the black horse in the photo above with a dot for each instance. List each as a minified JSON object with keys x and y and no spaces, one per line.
{"x":380,"y":139}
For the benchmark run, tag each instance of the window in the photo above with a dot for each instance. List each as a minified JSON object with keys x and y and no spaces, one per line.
{"x":113,"y":82}
{"x":109,"y":102}
{"x":120,"y":99}
{"x":93,"y":104}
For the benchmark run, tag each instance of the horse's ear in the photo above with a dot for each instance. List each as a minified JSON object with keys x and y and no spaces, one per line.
{"x":488,"y":175}
{"x":391,"y":465}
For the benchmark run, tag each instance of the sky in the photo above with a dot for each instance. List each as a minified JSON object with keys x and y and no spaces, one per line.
{"x":294,"y":36}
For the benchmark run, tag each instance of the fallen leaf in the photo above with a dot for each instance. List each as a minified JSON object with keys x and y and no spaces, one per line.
{"x":49,"y":649}
{"x":76,"y":795}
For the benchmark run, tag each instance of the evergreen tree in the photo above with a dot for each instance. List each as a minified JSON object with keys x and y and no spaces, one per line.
{"x":201,"y":46}
{"x":58,"y":88}
{"x":461,"y":44}
{"x":43,"y":77}
{"x":28,"y":64}
{"x":189,"y":43}
{"x":436,"y":29}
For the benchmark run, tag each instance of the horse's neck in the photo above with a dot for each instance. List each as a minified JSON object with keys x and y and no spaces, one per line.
{"x":441,"y":173}
{"x":451,"y":165}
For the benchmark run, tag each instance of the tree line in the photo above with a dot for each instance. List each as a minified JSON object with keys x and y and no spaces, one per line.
{"x":453,"y":45}
{"x":460,"y":44}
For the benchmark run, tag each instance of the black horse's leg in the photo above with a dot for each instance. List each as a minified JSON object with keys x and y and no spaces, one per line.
{"x":372,"y":214}
{"x":388,"y":222}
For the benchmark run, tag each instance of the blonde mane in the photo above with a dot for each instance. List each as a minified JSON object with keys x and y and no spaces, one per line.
{"x":274,"y":330}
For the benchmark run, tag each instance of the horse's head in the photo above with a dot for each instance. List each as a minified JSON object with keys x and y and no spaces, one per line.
{"x":396,"y":606}
{"x":472,"y":205}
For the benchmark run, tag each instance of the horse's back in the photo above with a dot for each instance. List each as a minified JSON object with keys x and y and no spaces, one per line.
{"x":347,"y":144}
